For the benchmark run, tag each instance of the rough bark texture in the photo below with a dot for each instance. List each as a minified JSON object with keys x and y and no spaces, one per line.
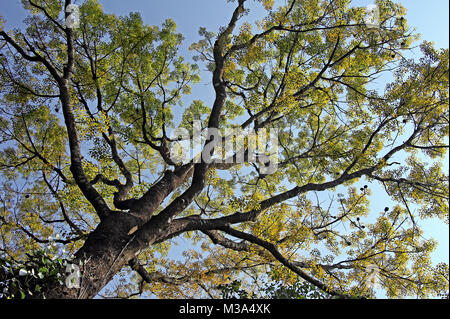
{"x":115,"y":242}
{"x":102,"y":257}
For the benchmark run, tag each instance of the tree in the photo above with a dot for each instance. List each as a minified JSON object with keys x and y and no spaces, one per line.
{"x":273,"y":290}
{"x":86,"y":152}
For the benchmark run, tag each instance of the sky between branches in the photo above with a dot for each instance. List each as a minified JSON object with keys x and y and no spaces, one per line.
{"x":430,"y":18}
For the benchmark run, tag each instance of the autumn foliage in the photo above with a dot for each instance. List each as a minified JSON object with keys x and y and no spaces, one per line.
{"x":85,"y":121}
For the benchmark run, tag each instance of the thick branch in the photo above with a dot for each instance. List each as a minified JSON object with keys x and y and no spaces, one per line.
{"x":278,"y":256}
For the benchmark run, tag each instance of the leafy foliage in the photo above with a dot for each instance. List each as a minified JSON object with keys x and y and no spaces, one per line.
{"x":85,"y":123}
{"x":272,"y":290}
{"x":30,"y":278}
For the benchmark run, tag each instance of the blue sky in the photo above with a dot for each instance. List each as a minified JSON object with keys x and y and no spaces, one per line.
{"x":430,"y":18}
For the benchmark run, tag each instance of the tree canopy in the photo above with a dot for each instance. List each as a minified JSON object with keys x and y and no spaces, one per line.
{"x":88,"y":177}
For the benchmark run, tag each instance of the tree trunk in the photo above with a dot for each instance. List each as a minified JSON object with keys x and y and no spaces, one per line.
{"x":104,"y":253}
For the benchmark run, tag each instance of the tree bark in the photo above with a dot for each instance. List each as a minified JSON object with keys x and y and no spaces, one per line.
{"x":102,"y":257}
